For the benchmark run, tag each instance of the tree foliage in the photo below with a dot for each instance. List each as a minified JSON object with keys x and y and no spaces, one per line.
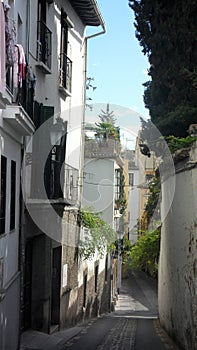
{"x":167,"y":32}
{"x":154,"y":188}
{"x":144,"y":254}
{"x":98,"y":237}
{"x":106,"y":128}
{"x":176,"y":143}
{"x":107,"y":116}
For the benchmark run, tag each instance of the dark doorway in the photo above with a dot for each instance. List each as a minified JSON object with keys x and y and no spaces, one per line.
{"x":27,"y":286}
{"x":56,"y":285}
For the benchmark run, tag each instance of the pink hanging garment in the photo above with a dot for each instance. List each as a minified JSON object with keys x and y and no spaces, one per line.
{"x":2,"y":51}
{"x":16,"y":67}
{"x":22,"y":63}
{"x":19,"y":66}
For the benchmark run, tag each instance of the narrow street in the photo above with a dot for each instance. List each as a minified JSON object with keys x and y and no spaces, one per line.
{"x":133,"y":324}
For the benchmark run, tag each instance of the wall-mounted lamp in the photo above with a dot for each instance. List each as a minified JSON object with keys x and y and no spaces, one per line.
{"x":57,"y":131}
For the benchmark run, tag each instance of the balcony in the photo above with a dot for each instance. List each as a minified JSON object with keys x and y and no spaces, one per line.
{"x":44,"y":48}
{"x":65,"y":74}
{"x":18,"y":110}
{"x":63,"y":182}
{"x":18,"y":119}
{"x":59,"y":185}
{"x":19,"y":92}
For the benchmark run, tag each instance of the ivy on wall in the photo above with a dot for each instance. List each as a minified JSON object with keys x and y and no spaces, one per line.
{"x":176,"y":143}
{"x":154,"y":188}
{"x":98,"y":238}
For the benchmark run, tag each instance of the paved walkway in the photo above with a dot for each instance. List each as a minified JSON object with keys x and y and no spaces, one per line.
{"x":138,"y":296}
{"x":34,"y":340}
{"x":133,"y":325}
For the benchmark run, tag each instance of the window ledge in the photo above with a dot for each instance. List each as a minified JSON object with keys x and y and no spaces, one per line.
{"x":5,"y":99}
{"x":64,"y":91}
{"x":43,"y":67}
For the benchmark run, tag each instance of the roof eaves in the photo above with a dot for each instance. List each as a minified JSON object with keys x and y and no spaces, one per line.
{"x":88,"y":11}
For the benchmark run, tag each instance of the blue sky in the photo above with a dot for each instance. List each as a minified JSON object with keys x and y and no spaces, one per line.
{"x":115,"y":60}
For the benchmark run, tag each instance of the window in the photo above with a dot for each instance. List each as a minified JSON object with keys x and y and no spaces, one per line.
{"x":96,"y":278}
{"x":85,"y":280}
{"x":131,"y":179}
{"x":44,"y":49}
{"x":13,"y":195}
{"x":117,"y":185}
{"x":106,"y":268}
{"x":3,"y":194}
{"x":149,"y":177}
{"x":65,"y":62}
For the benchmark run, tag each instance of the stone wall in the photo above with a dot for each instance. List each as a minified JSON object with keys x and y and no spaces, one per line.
{"x":97,"y":302}
{"x":178,"y":260}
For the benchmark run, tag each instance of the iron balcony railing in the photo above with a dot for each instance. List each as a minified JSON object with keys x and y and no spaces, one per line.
{"x":65,"y":73}
{"x":63,"y":182}
{"x":44,"y":44}
{"x":22,"y":93}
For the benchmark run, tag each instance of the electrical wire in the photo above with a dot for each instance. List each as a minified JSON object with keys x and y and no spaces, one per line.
{"x":98,"y":184}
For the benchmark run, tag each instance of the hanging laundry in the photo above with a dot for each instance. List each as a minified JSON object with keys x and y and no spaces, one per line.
{"x":30,"y":90}
{"x":2,"y":54}
{"x":31,"y":79}
{"x":21,"y":64}
{"x":10,"y":37}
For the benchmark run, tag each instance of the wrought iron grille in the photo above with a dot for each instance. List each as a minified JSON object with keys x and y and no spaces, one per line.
{"x":44,"y":44}
{"x":65,"y":73}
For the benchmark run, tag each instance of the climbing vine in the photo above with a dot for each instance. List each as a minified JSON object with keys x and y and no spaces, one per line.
{"x":176,"y":143}
{"x":154,"y":188}
{"x":98,"y":236}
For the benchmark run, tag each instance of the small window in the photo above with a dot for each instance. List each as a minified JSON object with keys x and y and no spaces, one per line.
{"x":131,"y":179}
{"x":13,"y":195}
{"x":96,"y":278}
{"x":3,"y":194}
{"x":117,"y":184}
{"x":106,"y":268}
{"x":85,"y":280}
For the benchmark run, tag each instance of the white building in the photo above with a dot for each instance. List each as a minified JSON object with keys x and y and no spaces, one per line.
{"x":103,"y":169}
{"x":134,"y":198}
{"x":42,"y":77}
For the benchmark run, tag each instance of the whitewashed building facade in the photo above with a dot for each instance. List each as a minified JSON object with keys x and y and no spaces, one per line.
{"x":43,"y":82}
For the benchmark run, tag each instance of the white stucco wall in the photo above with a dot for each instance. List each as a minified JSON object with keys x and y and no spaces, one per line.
{"x":98,"y":187}
{"x":70,"y":108}
{"x":9,"y":246}
{"x":9,"y":241}
{"x":133,"y":207}
{"x":177,"y":267}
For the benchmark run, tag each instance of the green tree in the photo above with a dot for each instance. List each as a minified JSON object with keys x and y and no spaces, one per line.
{"x":167,"y":32}
{"x":107,"y":116}
{"x":144,"y":255}
{"x":106,"y":128}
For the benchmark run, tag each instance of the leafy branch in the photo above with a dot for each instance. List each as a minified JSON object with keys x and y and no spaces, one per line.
{"x":155,"y":188}
{"x":97,"y":238}
{"x":176,"y":143}
{"x":145,"y":253}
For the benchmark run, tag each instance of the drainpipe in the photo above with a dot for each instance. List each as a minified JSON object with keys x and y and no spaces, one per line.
{"x":103,"y":31}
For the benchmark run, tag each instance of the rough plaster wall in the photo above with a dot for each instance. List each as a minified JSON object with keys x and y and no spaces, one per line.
{"x":177,"y":270}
